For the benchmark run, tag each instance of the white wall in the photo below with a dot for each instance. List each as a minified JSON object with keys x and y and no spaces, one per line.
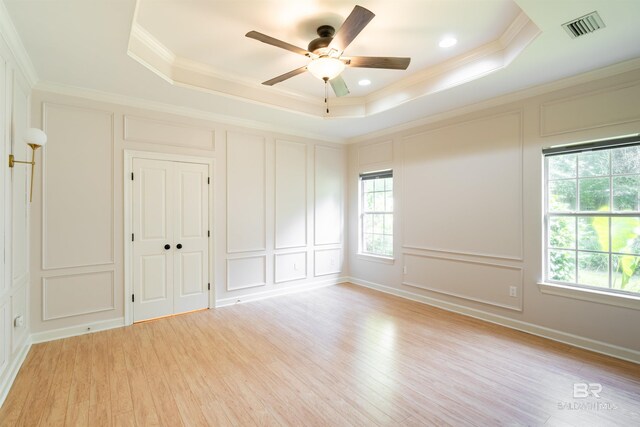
{"x":468,"y":221}
{"x":14,"y":214}
{"x":271,"y":192}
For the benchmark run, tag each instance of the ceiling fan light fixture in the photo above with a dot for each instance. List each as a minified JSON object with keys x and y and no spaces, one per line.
{"x":326,"y":67}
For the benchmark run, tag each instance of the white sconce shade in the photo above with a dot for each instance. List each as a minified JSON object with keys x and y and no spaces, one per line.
{"x":326,"y":68}
{"x":35,"y":136}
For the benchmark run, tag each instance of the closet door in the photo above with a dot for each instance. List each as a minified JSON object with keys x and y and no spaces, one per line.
{"x":153,"y":224}
{"x":191,"y":226}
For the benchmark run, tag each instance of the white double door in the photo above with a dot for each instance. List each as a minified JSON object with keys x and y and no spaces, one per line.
{"x":170,"y":238}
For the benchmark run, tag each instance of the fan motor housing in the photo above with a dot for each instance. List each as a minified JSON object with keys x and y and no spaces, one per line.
{"x":326,"y":33}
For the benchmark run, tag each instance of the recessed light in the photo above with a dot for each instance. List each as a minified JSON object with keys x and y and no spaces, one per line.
{"x":364,"y":82}
{"x":448,"y":42}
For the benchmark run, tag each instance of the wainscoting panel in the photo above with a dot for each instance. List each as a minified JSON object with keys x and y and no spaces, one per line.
{"x":291,"y":195}
{"x":371,"y":154}
{"x":246,"y":272}
{"x":5,"y":337}
{"x":484,"y":282}
{"x":19,"y":308}
{"x":76,"y":294}
{"x":19,"y":183}
{"x":328,"y":261}
{"x":329,"y":184}
{"x":591,"y":110}
{"x":246,"y":188}
{"x":77,"y":168}
{"x":290,"y":266}
{"x":167,"y":133}
{"x":463,"y":194}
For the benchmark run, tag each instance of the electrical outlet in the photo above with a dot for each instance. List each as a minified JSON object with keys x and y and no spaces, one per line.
{"x":513,"y":291}
{"x":295,"y":266}
{"x":18,"y":322}
{"x":404,"y":270}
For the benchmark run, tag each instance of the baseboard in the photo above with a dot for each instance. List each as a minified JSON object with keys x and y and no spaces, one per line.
{"x":13,"y":369}
{"x":279,"y":292}
{"x":72,"y":331}
{"x":541,"y":331}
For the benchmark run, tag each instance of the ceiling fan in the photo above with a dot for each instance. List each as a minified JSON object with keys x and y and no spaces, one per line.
{"x":327,"y":62}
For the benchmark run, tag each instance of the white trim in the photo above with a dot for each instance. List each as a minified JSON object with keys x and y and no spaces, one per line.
{"x":12,"y":371}
{"x":11,"y":37}
{"x":593,"y":295}
{"x":73,"y":331}
{"x":280,"y":292}
{"x":375,"y":258}
{"x":541,"y":331}
{"x":127,"y":168}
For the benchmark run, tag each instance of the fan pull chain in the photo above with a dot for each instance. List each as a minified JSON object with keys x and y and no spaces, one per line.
{"x":326,"y":94}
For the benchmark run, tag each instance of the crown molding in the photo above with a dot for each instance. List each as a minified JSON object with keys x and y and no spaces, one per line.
{"x":10,"y":35}
{"x":610,"y":71}
{"x":133,"y":102}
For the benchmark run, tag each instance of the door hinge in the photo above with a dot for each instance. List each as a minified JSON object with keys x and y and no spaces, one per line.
{"x":131,"y":176}
{"x":208,"y":233}
{"x":133,"y":238}
{"x":208,"y":286}
{"x":208,"y":180}
{"x":133,"y":298}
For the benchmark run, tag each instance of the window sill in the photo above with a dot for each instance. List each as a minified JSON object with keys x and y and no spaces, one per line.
{"x":376,"y":258}
{"x":627,"y":301}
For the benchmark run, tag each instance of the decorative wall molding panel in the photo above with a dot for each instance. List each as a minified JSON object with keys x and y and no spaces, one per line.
{"x":290,"y":266}
{"x":92,"y":293}
{"x":327,"y":261}
{"x":470,"y":188}
{"x":602,"y":107}
{"x":290,"y":194}
{"x":140,"y":129}
{"x":77,"y":166}
{"x":246,"y":272}
{"x":329,"y":187}
{"x":375,"y":154}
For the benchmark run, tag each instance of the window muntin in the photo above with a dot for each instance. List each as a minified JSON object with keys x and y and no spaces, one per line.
{"x":593,"y":218}
{"x":376,"y":218}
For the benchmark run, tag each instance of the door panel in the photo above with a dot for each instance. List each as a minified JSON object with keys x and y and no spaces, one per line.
{"x":170,"y":207}
{"x":152,"y":228}
{"x":191,"y":265}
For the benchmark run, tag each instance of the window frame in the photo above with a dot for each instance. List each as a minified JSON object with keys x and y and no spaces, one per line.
{"x":607,"y":295}
{"x":372,"y":256}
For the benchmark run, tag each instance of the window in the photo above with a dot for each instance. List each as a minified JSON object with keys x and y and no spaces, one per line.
{"x":592,"y":215}
{"x":376,"y":219}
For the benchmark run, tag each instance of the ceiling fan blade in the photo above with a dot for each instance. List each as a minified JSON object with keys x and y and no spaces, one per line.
{"x":355,"y":22}
{"x":275,"y":42}
{"x":377,"y":62}
{"x":285,"y":76}
{"x":339,"y":86}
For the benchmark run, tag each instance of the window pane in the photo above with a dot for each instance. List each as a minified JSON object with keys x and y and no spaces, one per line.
{"x":562,"y":196}
{"x":367,"y":224}
{"x":388,"y":246}
{"x":594,"y":194}
{"x":626,"y":274}
{"x":388,"y":184}
{"x":378,"y":243}
{"x":562,"y":232}
{"x":593,"y":269}
{"x":379,"y":184}
{"x":388,"y":224}
{"x":562,"y":166}
{"x":368,"y":242}
{"x":369,"y":202}
{"x":562,"y":266}
{"x":625,"y":160}
{"x":626,"y":192}
{"x":593,"y":233}
{"x":595,"y":163}
{"x":624,"y":235}
{"x":378,"y":202}
{"x":388,"y":201}
{"x":368,"y":185}
{"x":378,"y":223}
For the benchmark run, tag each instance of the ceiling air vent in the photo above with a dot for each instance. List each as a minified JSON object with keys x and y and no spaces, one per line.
{"x":584,"y":25}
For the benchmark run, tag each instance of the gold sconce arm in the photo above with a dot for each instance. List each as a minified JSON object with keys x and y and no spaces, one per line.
{"x":13,"y":161}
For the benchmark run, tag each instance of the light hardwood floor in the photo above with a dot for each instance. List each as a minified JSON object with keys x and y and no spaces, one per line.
{"x":337,"y":356}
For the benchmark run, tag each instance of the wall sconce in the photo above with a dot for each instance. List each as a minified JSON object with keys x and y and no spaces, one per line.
{"x":35,"y":138}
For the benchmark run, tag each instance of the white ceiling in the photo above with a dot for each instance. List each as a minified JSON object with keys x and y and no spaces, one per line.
{"x":89,"y":44}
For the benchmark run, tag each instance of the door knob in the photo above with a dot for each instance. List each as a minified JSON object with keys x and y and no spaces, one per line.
{"x":167,"y":246}
{"x":179,"y":246}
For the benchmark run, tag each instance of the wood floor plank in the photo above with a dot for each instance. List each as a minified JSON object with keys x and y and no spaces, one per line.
{"x":339,"y":356}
